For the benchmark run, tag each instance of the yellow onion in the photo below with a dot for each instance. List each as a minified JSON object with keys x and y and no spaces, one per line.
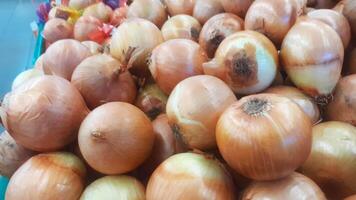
{"x":353,"y":197}
{"x":25,"y":76}
{"x":216,"y":29}
{"x":293,"y":187}
{"x":44,"y":114}
{"x":264,"y":136}
{"x":80,"y":4}
{"x":195,"y":120}
{"x":304,"y":102}
{"x":47,"y":177}
{"x":118,"y":16}
{"x":12,"y":155}
{"x":351,"y":61}
{"x":84,"y":26}
{"x":315,"y":69}
{"x":332,"y":161}
{"x":247,"y":61}
{"x":100,"y":11}
{"x":319,"y":4}
{"x":205,"y":9}
{"x":152,"y":10}
{"x":175,"y":7}
{"x":63,"y":56}
{"x":118,"y":187}
{"x":116,"y":138}
{"x":93,"y":47}
{"x":181,"y":26}
{"x":174,"y":61}
{"x":348,"y":8}
{"x":57,"y":29}
{"x":190,"y":176}
{"x":39,"y":63}
{"x":237,"y":7}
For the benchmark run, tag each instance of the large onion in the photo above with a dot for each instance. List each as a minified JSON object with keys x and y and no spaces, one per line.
{"x":348,"y":8}
{"x":25,"y":76}
{"x":175,"y":7}
{"x":80,"y":4}
{"x":190,"y":176}
{"x":93,"y":47}
{"x":332,"y":161}
{"x":264,"y":137}
{"x":181,"y":26}
{"x":238,"y":7}
{"x":205,"y":9}
{"x":100,"y":11}
{"x":57,"y":29}
{"x":152,"y":10}
{"x":84,"y":26}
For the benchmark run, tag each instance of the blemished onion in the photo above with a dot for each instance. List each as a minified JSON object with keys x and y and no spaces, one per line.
{"x":264,"y":136}
{"x":84,"y":26}
{"x":320,"y":4}
{"x":116,"y":138}
{"x":293,"y":187}
{"x":57,"y":29}
{"x":332,"y":161}
{"x":181,"y":26}
{"x":23,"y":77}
{"x":118,"y":187}
{"x":80,"y":4}
{"x":63,"y":56}
{"x":216,"y":29}
{"x":190,"y":176}
{"x":315,"y":69}
{"x":93,"y":47}
{"x":12,"y":155}
{"x":99,"y":79}
{"x":47,"y":177}
{"x":343,"y":105}
{"x":152,"y":10}
{"x":174,"y":61}
{"x":304,"y":102}
{"x":118,"y":16}
{"x":100,"y":11}
{"x":195,"y":120}
{"x":175,"y":7}
{"x":237,"y":7}
{"x":353,"y":197}
{"x":348,"y":8}
{"x":247,"y":61}
{"x":205,"y":9}
{"x":39,"y":63}
{"x":44,"y":114}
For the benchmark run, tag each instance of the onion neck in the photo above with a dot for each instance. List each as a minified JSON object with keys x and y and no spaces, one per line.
{"x":179,"y":137}
{"x":256,"y":107}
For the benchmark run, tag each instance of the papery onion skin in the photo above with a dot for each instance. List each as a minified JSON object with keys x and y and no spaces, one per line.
{"x":181,"y":26}
{"x":269,"y":128}
{"x":57,"y":29}
{"x":80,"y":4}
{"x":293,"y":187}
{"x":93,"y":47}
{"x":174,"y":61}
{"x":247,"y":61}
{"x":119,"y":187}
{"x":48,"y":177}
{"x":25,"y":76}
{"x":152,"y":10}
{"x":44,"y":114}
{"x":195,"y":120}
{"x":100,"y":11}
{"x":237,"y":7}
{"x":190,"y":176}
{"x":216,"y":29}
{"x":84,"y":26}
{"x":332,"y":161}
{"x":349,"y":10}
{"x":175,"y":7}
{"x":126,"y":139}
{"x":205,"y":9}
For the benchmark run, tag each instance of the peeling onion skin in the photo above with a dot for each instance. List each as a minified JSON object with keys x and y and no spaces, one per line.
{"x":126,"y":142}
{"x":205,"y":9}
{"x":84,"y":26}
{"x":181,"y":27}
{"x":216,"y":29}
{"x":278,"y":145}
{"x":152,"y":10}
{"x":247,"y":61}
{"x":93,"y":47}
{"x":315,"y":69}
{"x":174,"y":61}
{"x":100,"y":11}
{"x":190,"y":176}
{"x":175,"y":7}
{"x":48,"y":177}
{"x":80,"y":4}
{"x":195,"y":120}
{"x":57,"y":29}
{"x":293,"y":187}
{"x":237,"y":7}
{"x":332,"y":161}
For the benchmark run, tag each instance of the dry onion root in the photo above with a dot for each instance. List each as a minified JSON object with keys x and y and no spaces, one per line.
{"x":181,"y":26}
{"x":152,"y":10}
{"x":57,"y":29}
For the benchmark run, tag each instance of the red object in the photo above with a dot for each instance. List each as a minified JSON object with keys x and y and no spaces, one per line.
{"x":101,"y":34}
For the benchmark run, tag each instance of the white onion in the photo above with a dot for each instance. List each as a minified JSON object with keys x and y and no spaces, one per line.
{"x":25,"y":76}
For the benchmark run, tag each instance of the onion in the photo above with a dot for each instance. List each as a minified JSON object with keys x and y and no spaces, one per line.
{"x":216,"y":29}
{"x":93,"y":47}
{"x":118,"y":187}
{"x":116,"y":138}
{"x":25,"y":76}
{"x":174,"y":61}
{"x":264,"y":137}
{"x":44,"y":114}
{"x":152,"y":10}
{"x":247,"y":61}
{"x":348,"y":8}
{"x":99,"y":80}
{"x":190,"y":176}
{"x":332,"y":161}
{"x":12,"y":155}
{"x":48,"y":177}
{"x":57,"y":29}
{"x":181,"y":26}
{"x":351,"y":61}
{"x":318,"y":4}
{"x":195,"y":120}
{"x":52,"y":13}
{"x":294,"y":187}
{"x":39,"y":63}
{"x":353,"y":197}
{"x":343,"y":105}
{"x":80,"y":4}
{"x":315,"y":69}
{"x":100,"y":11}
{"x":205,"y":9}
{"x":63,"y":56}
{"x":238,"y":7}
{"x":118,"y":16}
{"x":84,"y":26}
{"x":175,"y":7}
{"x":304,"y":102}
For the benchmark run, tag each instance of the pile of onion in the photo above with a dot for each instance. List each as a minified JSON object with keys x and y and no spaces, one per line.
{"x":25,"y":76}
{"x":100,"y":11}
{"x":57,"y":29}
{"x":85,"y":26}
{"x":80,"y":4}
{"x":238,"y":7}
{"x":93,"y":47}
{"x":181,"y":26}
{"x":175,"y":7}
{"x":152,"y":10}
{"x":205,"y":9}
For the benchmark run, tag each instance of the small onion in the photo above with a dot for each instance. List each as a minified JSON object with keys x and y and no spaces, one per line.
{"x":44,"y":114}
{"x":293,"y":187}
{"x":348,"y":8}
{"x":116,"y":138}
{"x":174,"y":61}
{"x":319,"y":4}
{"x":118,"y":16}
{"x":25,"y":76}
{"x":114,"y":187}
{"x":93,"y":47}
{"x":247,"y":61}
{"x":181,"y":26}
{"x":332,"y":161}
{"x":353,"y":197}
{"x":100,"y":11}
{"x":57,"y":29}
{"x":195,"y":120}
{"x":175,"y":7}
{"x":152,"y":10}
{"x":238,"y":7}
{"x":48,"y":177}
{"x":80,"y":4}
{"x":216,"y":29}
{"x":84,"y":26}
{"x":39,"y":63}
{"x":264,"y":136}
{"x":190,"y":176}
{"x":205,"y":9}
